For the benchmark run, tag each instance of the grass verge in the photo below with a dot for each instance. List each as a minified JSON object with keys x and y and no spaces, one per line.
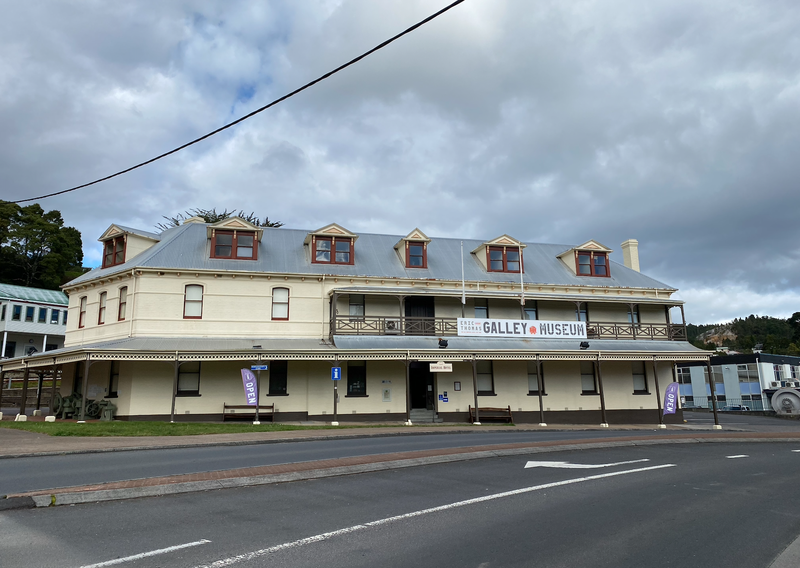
{"x":121,"y":428}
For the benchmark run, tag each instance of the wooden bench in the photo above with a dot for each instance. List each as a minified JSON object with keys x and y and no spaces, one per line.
{"x":232,"y":411}
{"x":488,"y":413}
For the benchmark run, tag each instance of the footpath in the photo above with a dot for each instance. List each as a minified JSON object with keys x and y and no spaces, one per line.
{"x":18,"y":443}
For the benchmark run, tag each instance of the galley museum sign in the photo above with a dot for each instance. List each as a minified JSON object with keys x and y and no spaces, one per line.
{"x":525,"y":329}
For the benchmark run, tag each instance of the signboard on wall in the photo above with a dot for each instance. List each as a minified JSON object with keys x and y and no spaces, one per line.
{"x":521,"y":329}
{"x":441,"y":367}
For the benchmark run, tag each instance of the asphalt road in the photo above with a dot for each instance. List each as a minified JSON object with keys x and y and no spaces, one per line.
{"x":688,"y":505}
{"x":49,"y":472}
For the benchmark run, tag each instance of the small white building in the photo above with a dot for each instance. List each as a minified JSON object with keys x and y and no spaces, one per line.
{"x":32,"y":320}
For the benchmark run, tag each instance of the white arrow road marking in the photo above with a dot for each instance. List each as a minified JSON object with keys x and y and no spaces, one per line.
{"x":737,"y":456}
{"x":567,"y":465}
{"x":146,"y":554}
{"x":325,"y":536}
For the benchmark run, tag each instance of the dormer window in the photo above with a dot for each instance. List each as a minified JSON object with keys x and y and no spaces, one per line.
{"x":591,"y":263}
{"x":416,"y":255}
{"x":503,"y":259}
{"x":234,"y":244}
{"x":333,"y":250}
{"x":114,"y":251}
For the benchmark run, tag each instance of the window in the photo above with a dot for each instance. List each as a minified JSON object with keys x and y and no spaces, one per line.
{"x":123,"y":303}
{"x":82,"y":315}
{"x":582,"y":312}
{"x":533,"y":378}
{"x":778,"y":370}
{"x":113,"y":380}
{"x":485,"y":378}
{"x":101,"y":313}
{"x":531,"y":312}
{"x":330,"y":250}
{"x":64,"y":322}
{"x":51,"y":347}
{"x":42,"y":315}
{"x":3,"y":313}
{"x":684,"y":376}
{"x":29,"y":313}
{"x":189,"y":379}
{"x":482,"y":309}
{"x":280,"y":303}
{"x":114,"y":251}
{"x":503,"y":259}
{"x":356,"y":378}
{"x":278,"y":372}
{"x":11,"y":348}
{"x":588,"y":379}
{"x":193,"y":302}
{"x":357,"y":305}
{"x":590,"y":263}
{"x":633,"y":315}
{"x":639,"y":377}
{"x":234,"y":244}
{"x":16,"y":313}
{"x":416,"y":255}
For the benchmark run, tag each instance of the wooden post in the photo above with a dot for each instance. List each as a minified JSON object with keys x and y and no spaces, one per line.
{"x":24,"y":399}
{"x":84,"y":390}
{"x":658,"y":394}
{"x":2,"y":386}
{"x":602,"y":395}
{"x":713,"y":394}
{"x":39,"y":391}
{"x":475,"y":390}
{"x":53,"y":386}
{"x":408,"y":392}
{"x":175,"y":389}
{"x":540,"y":385}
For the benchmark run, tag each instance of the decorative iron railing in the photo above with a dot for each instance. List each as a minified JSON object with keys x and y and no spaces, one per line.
{"x":400,"y":325}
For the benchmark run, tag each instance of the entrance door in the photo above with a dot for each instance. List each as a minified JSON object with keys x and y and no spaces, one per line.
{"x":418,"y":309}
{"x":420,"y":381}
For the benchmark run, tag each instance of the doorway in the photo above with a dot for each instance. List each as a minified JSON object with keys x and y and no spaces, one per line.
{"x":419,"y":315}
{"x":420,"y":380}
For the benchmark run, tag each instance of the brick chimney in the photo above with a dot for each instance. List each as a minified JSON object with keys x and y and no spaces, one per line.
{"x":630,"y":254}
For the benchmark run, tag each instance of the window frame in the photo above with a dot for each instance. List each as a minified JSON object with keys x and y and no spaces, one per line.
{"x":186,"y":300}
{"x":113,"y":386}
{"x":114,"y":252}
{"x":504,"y":250}
{"x":3,"y":312}
{"x":351,"y":304}
{"x":82,"y":313}
{"x":55,"y":315}
{"x":424,"y":255}
{"x":594,"y":378}
{"x":235,"y":234}
{"x":634,"y":316}
{"x":643,"y":375}
{"x":275,"y":304}
{"x":351,"y":379}
{"x":16,"y":312}
{"x":536,"y":365}
{"x":30,"y":312}
{"x":181,"y":371}
{"x":479,"y":373}
{"x":476,"y":307}
{"x":40,"y":319}
{"x":276,"y":380}
{"x":122,"y":303}
{"x":582,"y":308}
{"x":11,"y":347}
{"x":527,"y":309}
{"x":102,"y":302}
{"x":332,"y":251}
{"x":592,"y":266}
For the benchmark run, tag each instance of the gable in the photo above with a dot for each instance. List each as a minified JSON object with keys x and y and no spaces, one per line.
{"x":332,"y":230}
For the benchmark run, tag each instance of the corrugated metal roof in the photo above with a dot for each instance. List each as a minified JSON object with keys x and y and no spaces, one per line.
{"x":39,"y":295}
{"x":282,"y":251}
{"x":141,"y":233}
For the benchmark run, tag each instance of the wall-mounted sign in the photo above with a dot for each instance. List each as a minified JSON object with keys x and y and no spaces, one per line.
{"x":336,"y":373}
{"x":441,"y":367}
{"x":521,"y":329}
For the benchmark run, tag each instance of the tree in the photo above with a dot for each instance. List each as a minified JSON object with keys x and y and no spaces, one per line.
{"x":36,"y":249}
{"x":211,"y":216}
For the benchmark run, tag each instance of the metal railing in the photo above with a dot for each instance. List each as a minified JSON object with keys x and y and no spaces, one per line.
{"x":401,"y":325}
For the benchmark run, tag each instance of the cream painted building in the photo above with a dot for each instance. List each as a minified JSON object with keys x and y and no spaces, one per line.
{"x":164,"y":327}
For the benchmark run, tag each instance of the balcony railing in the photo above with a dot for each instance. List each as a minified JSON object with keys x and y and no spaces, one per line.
{"x":398,"y":325}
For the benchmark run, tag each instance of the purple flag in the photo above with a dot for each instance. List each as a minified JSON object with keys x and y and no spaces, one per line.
{"x":250,"y":390}
{"x":671,"y":399}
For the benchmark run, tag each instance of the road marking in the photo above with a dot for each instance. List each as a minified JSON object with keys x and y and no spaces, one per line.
{"x":355,"y":528}
{"x":147,"y":554}
{"x":567,"y":465}
{"x":796,"y":450}
{"x":737,"y":456}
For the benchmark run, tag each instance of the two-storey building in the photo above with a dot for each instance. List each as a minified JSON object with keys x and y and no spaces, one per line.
{"x":32,"y":320}
{"x":556,"y":333}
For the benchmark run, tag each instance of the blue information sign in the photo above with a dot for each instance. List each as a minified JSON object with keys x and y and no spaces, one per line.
{"x":336,"y":373}
{"x":258,"y":367}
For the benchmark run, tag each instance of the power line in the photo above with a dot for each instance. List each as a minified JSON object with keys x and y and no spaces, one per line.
{"x":255,"y":112}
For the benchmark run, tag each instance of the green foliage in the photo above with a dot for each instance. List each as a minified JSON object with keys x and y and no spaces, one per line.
{"x":36,"y":249}
{"x":211,"y":216}
{"x":776,"y":335}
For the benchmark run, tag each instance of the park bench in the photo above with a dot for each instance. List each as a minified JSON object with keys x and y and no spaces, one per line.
{"x":489,"y":413}
{"x":244,"y":410}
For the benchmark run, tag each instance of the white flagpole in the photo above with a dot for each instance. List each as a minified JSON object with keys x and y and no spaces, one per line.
{"x":463,"y":285}
{"x":521,"y":281}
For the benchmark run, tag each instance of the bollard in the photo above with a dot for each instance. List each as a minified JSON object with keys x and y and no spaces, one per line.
{"x":21,"y":418}
{"x":50,"y":418}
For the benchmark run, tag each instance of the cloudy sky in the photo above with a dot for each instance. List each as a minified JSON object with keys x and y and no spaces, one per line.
{"x":674,"y":122}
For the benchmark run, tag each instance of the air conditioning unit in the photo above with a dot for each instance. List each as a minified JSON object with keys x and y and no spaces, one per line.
{"x":392,"y":326}
{"x":774,"y":384}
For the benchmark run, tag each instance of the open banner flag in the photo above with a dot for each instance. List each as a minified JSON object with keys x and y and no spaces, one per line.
{"x":671,"y":399}
{"x":250,"y":389}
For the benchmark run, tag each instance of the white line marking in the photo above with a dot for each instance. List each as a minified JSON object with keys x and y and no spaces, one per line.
{"x":737,"y":456}
{"x":325,"y":536}
{"x":567,"y":465}
{"x":796,"y":450}
{"x":146,"y":554}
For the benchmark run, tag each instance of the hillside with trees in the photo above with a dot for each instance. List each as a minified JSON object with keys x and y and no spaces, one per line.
{"x":775,"y":335}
